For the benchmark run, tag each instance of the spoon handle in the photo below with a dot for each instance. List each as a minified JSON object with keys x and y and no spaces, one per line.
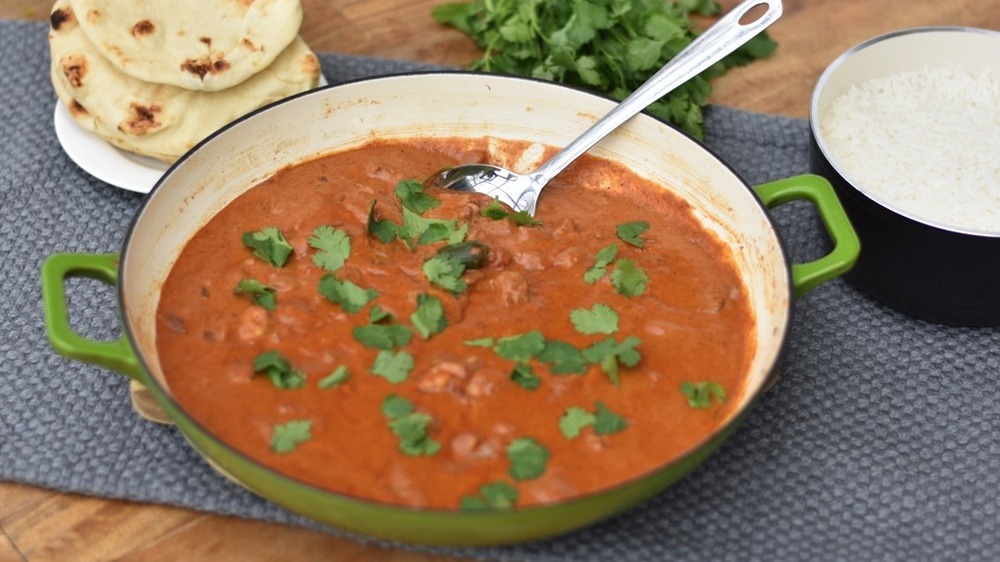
{"x":719,"y":40}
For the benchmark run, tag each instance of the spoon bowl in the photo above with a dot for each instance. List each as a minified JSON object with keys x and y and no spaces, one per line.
{"x":521,"y":191}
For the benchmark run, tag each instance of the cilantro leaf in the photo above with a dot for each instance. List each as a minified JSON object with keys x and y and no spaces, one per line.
{"x":286,"y":437}
{"x":473,"y":254}
{"x":604,"y":258}
{"x":382,"y":336}
{"x":269,"y":245}
{"x":496,"y":211}
{"x":573,"y":420}
{"x":446,"y":272}
{"x":430,"y":230}
{"x":395,"y":406}
{"x":493,"y":495}
{"x":279,"y":370}
{"x":607,"y":422}
{"x":349,"y":296}
{"x":524,"y":376}
{"x":382,"y":229}
{"x":643,"y":53}
{"x":480,"y":342}
{"x":411,"y":195}
{"x":377,"y":314}
{"x":631,"y":231}
{"x":262,"y":295}
{"x":393,"y":366}
{"x":521,"y":348}
{"x":628,"y":279}
{"x":334,"y":247}
{"x":604,"y":421}
{"x":610,"y":354}
{"x":409,"y":426}
{"x":428,"y":319}
{"x":699,"y":394}
{"x":339,"y":376}
{"x":528,"y":458}
{"x":563,"y":358}
{"x":600,"y":319}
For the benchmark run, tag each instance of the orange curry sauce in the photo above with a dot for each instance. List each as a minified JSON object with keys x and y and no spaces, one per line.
{"x":693,"y":320}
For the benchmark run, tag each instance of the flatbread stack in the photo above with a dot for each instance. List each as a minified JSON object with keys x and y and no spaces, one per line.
{"x":156,"y":77}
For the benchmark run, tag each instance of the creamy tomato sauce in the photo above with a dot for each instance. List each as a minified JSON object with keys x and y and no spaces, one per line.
{"x":691,"y":322}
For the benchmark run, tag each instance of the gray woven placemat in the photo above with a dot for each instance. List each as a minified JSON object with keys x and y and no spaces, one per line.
{"x":881,"y":441}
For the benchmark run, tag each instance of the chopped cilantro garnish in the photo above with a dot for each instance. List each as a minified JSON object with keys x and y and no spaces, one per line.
{"x":334,"y":247}
{"x":480,"y":342}
{"x":377,"y":314}
{"x":383,"y":336}
{"x":279,"y":370}
{"x":428,"y":230}
{"x":339,"y":376}
{"x":600,"y":319}
{"x":610,"y":353}
{"x":563,"y":358}
{"x":496,"y":211}
{"x":527,"y":458}
{"x":521,"y":348}
{"x":259,"y":293}
{"x":631,"y":231}
{"x":410,"y":426}
{"x":607,"y":422}
{"x":395,"y":406}
{"x":428,"y":319}
{"x":411,"y":195}
{"x":525,"y":376}
{"x":699,"y":394}
{"x":349,"y":296}
{"x":628,"y":279}
{"x":394,"y":366}
{"x":494,"y":495}
{"x":473,"y":254}
{"x":573,"y":420}
{"x":604,"y":421}
{"x":382,"y":229}
{"x":604,"y":258}
{"x":268,"y":244}
{"x":286,"y":437}
{"x":445,"y":272}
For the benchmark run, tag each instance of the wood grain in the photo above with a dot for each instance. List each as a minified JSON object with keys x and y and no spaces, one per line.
{"x":38,"y":525}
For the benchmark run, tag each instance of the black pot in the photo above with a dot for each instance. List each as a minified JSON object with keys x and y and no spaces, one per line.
{"x":931,"y":271}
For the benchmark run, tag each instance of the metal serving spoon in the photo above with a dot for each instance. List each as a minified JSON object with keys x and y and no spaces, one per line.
{"x":520,"y":191}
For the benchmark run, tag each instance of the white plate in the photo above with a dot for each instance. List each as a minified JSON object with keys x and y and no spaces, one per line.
{"x":103,"y":161}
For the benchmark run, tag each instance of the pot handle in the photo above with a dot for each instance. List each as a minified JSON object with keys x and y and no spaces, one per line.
{"x":846,"y":246}
{"x":116,"y":355}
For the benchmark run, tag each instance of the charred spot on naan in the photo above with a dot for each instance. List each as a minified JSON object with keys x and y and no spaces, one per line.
{"x":204,"y":66}
{"x":77,"y":110}
{"x":143,"y":28}
{"x":310,"y":65}
{"x":141,"y":120}
{"x":60,"y":17}
{"x":74,"y":66}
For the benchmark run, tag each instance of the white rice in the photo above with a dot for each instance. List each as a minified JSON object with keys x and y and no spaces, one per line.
{"x":926,"y":143}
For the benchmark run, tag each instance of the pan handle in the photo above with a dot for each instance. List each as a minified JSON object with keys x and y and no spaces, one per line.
{"x":116,"y":355}
{"x":846,"y":246}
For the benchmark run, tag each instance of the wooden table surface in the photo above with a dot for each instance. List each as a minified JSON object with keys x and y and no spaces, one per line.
{"x":41,"y":525}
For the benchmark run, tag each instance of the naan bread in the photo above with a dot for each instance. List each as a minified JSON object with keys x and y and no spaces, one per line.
{"x":154,"y":119}
{"x":195,"y":44}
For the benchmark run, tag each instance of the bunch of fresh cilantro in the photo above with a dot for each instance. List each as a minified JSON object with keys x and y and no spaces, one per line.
{"x":607,"y":46}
